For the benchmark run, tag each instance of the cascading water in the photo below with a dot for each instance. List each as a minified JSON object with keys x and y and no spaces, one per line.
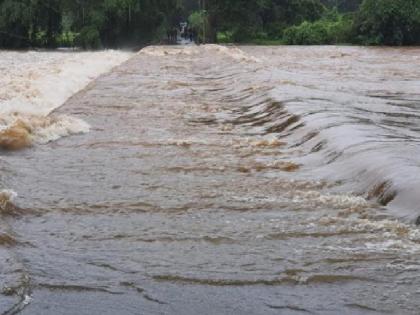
{"x":219,"y":180}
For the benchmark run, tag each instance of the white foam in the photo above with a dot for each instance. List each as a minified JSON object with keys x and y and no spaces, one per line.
{"x":6,"y":196}
{"x":33,"y":84}
{"x":60,"y":126}
{"x":162,"y":51}
{"x":232,"y":52}
{"x":332,"y":200}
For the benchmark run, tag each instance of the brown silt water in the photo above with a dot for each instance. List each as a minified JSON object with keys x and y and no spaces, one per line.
{"x":219,"y":180}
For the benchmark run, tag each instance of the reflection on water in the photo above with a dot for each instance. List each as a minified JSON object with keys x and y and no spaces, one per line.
{"x":223,"y":181}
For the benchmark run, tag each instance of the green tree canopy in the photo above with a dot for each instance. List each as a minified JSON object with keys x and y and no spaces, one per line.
{"x":389,"y":22}
{"x":115,"y":23}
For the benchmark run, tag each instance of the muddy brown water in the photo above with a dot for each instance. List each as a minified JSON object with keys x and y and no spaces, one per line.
{"x":266,"y":180}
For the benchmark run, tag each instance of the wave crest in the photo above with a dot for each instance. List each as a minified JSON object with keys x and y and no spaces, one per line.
{"x":33,"y":84}
{"x":6,"y":198}
{"x":18,"y":131}
{"x":232,"y":52}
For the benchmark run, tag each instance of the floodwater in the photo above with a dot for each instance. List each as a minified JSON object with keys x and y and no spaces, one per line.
{"x":218,"y":180}
{"x":33,"y":84}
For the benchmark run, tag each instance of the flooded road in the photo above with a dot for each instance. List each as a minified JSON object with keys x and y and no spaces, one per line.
{"x":265,"y":180}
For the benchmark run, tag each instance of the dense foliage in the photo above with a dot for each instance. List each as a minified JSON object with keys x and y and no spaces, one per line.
{"x":332,"y":28}
{"x":114,"y":23}
{"x":380,"y":22}
{"x":343,"y":5}
{"x":88,"y":23}
{"x":243,"y":19}
{"x":389,"y":22}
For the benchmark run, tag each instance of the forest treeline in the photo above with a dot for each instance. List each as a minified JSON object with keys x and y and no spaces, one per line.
{"x":299,"y":22}
{"x":85,"y":23}
{"x":117,"y":23}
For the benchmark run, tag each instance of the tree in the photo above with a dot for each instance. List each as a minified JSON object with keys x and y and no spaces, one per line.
{"x":46,"y":21}
{"x":15,"y":23}
{"x":389,"y":22}
{"x":280,"y":14}
{"x":246,"y":19}
{"x":332,"y":28}
{"x":343,"y":5}
{"x":110,"y":23}
{"x":116,"y":23}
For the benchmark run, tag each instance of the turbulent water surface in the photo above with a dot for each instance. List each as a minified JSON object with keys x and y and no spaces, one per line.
{"x":33,"y":84}
{"x":218,"y":180}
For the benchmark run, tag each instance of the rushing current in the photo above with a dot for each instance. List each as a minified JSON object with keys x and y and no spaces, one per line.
{"x":33,"y":84}
{"x":211,"y":180}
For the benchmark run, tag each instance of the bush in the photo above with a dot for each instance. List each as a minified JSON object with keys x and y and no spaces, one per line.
{"x":389,"y":22}
{"x":224,"y":37}
{"x":40,"y":39}
{"x":67,"y":39}
{"x":196,"y":21}
{"x":89,"y":38}
{"x":332,"y":29}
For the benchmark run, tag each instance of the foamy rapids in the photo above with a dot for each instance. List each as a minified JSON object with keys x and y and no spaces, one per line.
{"x":33,"y":84}
{"x":232,"y":52}
{"x":349,"y":115}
